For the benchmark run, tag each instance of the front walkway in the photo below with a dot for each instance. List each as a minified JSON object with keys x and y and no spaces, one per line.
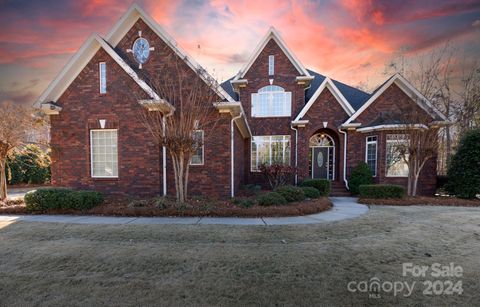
{"x":343,"y":208}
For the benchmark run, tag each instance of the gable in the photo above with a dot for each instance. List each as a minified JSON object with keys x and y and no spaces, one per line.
{"x":386,"y":109}
{"x":272,"y":40}
{"x":326,"y":109}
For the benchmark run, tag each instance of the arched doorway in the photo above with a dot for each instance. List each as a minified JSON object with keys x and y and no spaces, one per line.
{"x":322,"y":156}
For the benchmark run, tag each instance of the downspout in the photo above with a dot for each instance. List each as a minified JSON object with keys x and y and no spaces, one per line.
{"x":164,"y":154}
{"x":296,"y":153}
{"x":344,"y":158}
{"x":232,"y":160}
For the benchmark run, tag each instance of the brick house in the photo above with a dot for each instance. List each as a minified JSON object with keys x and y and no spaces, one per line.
{"x":273,"y":110}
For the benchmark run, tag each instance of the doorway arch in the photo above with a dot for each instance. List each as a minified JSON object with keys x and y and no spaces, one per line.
{"x":322,"y":156}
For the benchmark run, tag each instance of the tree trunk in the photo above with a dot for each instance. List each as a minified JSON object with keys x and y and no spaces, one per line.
{"x":3,"y":181}
{"x":448,"y":145}
{"x":414,"y":188}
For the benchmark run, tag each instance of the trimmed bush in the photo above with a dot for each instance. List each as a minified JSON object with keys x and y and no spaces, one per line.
{"x":381,"y":191}
{"x":464,"y":169}
{"x":44,"y":199}
{"x":361,"y":174}
{"x":311,"y":192}
{"x":322,"y":185}
{"x":271,"y":199}
{"x":244,"y":202}
{"x":291,"y":193}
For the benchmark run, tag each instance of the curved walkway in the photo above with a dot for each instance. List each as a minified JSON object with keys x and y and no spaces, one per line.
{"x":343,"y":208}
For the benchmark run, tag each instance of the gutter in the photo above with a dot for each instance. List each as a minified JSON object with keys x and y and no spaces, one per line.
{"x":232,"y":158}
{"x":164,"y":155}
{"x":344,"y":158}
{"x":296,"y":153}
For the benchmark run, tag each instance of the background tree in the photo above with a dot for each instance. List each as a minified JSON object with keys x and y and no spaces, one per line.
{"x":15,"y":122}
{"x":187,"y":105}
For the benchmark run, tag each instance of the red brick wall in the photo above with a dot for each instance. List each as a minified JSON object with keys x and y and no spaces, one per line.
{"x":140,"y":159}
{"x":257,"y":76}
{"x":392,"y":100}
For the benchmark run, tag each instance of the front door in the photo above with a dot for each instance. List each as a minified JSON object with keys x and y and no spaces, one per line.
{"x":320,"y":162}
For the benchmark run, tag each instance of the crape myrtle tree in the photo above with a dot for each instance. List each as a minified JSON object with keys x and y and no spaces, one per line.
{"x":186,"y":105}
{"x":419,"y":145}
{"x":15,"y":122}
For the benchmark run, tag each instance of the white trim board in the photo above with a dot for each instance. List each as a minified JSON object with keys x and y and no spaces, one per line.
{"x":125,"y":23}
{"x":408,"y":89}
{"x":78,"y":62}
{"x":327,"y":83}
{"x":392,"y":127}
{"x":272,"y":34}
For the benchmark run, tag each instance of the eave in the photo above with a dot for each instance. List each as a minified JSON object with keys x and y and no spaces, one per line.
{"x":50,"y":108}
{"x":159,"y":105}
{"x":235,"y":109}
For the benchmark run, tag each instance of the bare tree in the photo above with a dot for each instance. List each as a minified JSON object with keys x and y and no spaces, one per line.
{"x":186,"y":105}
{"x":420,"y":145}
{"x":15,"y":122}
{"x":468,"y":108}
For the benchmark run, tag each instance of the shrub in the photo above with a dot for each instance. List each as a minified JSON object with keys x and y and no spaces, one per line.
{"x":252,"y":189}
{"x":244,"y":202}
{"x":381,"y":191}
{"x":464,"y":169}
{"x":138,"y":203}
{"x":30,"y":165}
{"x":322,"y":185}
{"x":291,"y":193}
{"x":56,"y":198}
{"x":271,"y":199}
{"x":311,"y":192}
{"x":277,"y":174}
{"x":361,"y":174}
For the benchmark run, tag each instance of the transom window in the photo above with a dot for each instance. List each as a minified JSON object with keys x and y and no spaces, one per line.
{"x":270,"y":149}
{"x":396,"y":165}
{"x":104,"y":153}
{"x":271,"y":101}
{"x":102,"y":68}
{"x":371,"y":154}
{"x":197,"y":157}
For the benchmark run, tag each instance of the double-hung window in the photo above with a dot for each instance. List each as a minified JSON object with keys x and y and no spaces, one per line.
{"x":104,"y":153}
{"x":397,"y":146}
{"x":197,"y":157}
{"x":271,"y":101}
{"x":371,"y":154}
{"x":270,"y":149}
{"x":102,"y":72}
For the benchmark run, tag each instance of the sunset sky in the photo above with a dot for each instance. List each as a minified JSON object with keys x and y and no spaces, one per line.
{"x":348,"y":40}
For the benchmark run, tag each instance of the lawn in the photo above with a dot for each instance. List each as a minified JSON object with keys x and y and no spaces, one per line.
{"x":79,"y":265}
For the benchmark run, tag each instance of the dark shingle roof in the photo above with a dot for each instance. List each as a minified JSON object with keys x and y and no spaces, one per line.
{"x":354,"y":96}
{"x":227,"y":86}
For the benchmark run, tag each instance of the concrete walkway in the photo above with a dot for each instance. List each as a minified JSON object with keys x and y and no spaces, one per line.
{"x":343,"y":208}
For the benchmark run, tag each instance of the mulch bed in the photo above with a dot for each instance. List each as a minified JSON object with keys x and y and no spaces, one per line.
{"x":423,"y":201}
{"x":194,"y":209}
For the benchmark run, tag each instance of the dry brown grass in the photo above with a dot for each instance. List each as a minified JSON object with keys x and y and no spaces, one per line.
{"x":199,"y":207}
{"x":422,"y":201}
{"x":52,"y":264}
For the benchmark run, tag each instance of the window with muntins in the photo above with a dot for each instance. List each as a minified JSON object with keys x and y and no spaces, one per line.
{"x":197,"y":157}
{"x":270,"y":149}
{"x":104,"y":153}
{"x":371,"y":154}
{"x":271,"y":101}
{"x":102,"y":68}
{"x":396,"y":145}
{"x":271,"y":65}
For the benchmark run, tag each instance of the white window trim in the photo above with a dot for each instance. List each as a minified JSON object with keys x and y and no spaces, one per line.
{"x":289,"y":108}
{"x":271,"y":65}
{"x":376,"y":151}
{"x":386,"y":156}
{"x":203,"y":149}
{"x":100,"y":77}
{"x":91,"y":154}
{"x":270,"y":151}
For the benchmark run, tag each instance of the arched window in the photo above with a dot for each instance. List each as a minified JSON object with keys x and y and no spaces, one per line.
{"x":271,"y":101}
{"x":321,"y":140}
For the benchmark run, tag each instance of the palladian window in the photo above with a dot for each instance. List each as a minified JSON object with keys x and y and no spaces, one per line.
{"x":271,"y":101}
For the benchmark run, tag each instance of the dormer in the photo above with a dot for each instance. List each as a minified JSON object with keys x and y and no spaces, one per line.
{"x":271,"y":70}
